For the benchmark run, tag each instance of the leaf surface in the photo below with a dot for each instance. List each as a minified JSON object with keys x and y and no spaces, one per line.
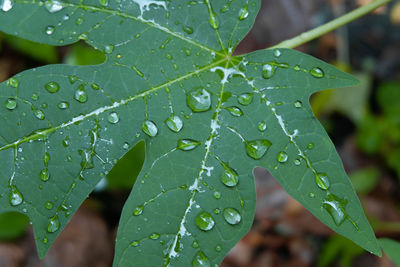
{"x":207,"y":118}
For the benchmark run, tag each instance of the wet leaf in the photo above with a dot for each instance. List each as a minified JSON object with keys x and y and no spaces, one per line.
{"x":171,"y":80}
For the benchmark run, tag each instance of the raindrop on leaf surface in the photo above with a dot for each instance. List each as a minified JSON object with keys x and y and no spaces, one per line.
{"x":201,"y":260}
{"x":150,"y":128}
{"x":187,"y":144}
{"x":54,"y":224}
{"x":205,"y":221}
{"x":199,"y":100}
{"x":256,"y":149}
{"x":232,"y":216}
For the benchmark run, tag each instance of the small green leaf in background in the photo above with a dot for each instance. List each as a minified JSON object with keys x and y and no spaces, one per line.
{"x":391,"y":249}
{"x":12,"y":225}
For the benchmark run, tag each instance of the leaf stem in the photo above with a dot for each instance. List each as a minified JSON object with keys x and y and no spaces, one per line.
{"x":332,"y":25}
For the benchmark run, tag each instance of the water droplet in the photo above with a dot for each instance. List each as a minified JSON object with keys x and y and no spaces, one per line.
{"x":79,"y":21}
{"x":277,"y":53}
{"x":256,"y":149}
{"x":229,"y":177}
{"x":217,"y":195}
{"x":34,"y":97}
{"x":310,"y":146}
{"x":262,"y":126}
{"x":44,"y":175}
{"x":113,"y":118}
{"x":317,"y":72}
{"x":201,"y":260}
{"x":187,"y":144}
{"x":45,"y":240}
{"x":244,"y":12}
{"x":232,"y":216}
{"x":53,"y":225}
{"x":297,"y":162}
{"x":268,"y":71}
{"x":322,"y":181}
{"x":135,"y":243}
{"x":154,"y":236}
{"x":336,"y":208}
{"x":72,"y":79}
{"x":199,"y":100}
{"x":187,"y":29}
{"x":150,"y":128}
{"x":174,"y":123}
{"x":205,"y":221}
{"x":245,"y":99}
{"x":213,"y":19}
{"x":282,"y":157}
{"x":53,"y":6}
{"x":49,"y":29}
{"x":235,"y":111}
{"x":63,"y":105}
{"x":103,"y":2}
{"x":48,"y":205}
{"x":311,"y":195}
{"x":52,"y":87}
{"x":297,"y":68}
{"x":6,"y":5}
{"x":80,"y":95}
{"x":13,"y":82}
{"x":138,"y":210}
{"x":38,"y":114}
{"x":125,"y":146}
{"x":11,"y":103}
{"x":108,"y":49}
{"x":15,"y":197}
{"x":195,"y":244}
{"x":65,"y":142}
{"x":217,"y":211}
{"x":83,"y":36}
{"x":218,"y":248}
{"x":46,"y":159}
{"x":298,"y":104}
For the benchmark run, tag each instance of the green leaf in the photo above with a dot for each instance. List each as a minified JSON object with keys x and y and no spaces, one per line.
{"x":12,"y":225}
{"x":391,"y":248}
{"x":207,"y":118}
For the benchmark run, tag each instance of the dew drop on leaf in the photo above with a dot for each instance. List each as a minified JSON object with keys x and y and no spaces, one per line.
{"x":15,"y":197}
{"x":11,"y":103}
{"x":245,"y":99}
{"x":235,"y":111}
{"x":282,"y":157}
{"x":48,"y":205}
{"x":297,"y":162}
{"x":229,"y":177}
{"x":135,"y":243}
{"x":262,"y":126}
{"x":268,"y":71}
{"x":310,"y":146}
{"x":205,"y":221}
{"x":6,"y":5}
{"x":34,"y":97}
{"x":187,"y":144}
{"x":49,"y":30}
{"x":218,"y":248}
{"x":217,"y":211}
{"x":256,"y":149}
{"x":298,"y":104}
{"x":232,"y":216}
{"x":80,"y":96}
{"x":108,"y":49}
{"x":54,"y":224}
{"x":38,"y":114}
{"x":53,"y":6}
{"x":113,"y":118}
{"x":336,"y":208}
{"x":125,"y":146}
{"x":52,"y":87}
{"x":244,"y":12}
{"x":150,"y":128}
{"x":317,"y":72}
{"x":79,"y":21}
{"x":201,"y":260}
{"x":154,"y":236}
{"x":138,"y":210}
{"x":187,"y":29}
{"x":13,"y":82}
{"x":46,"y":159}
{"x":199,"y":100}
{"x":217,"y":195}
{"x":44,"y":175}
{"x":95,"y":86}
{"x":103,"y":2}
{"x":195,"y":244}
{"x":72,"y":79}
{"x":311,"y":195}
{"x":277,"y":53}
{"x":174,"y":123}
{"x":322,"y":181}
{"x":63,"y":105}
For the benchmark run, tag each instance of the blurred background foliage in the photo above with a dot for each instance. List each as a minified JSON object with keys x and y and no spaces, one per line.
{"x":363,"y":122}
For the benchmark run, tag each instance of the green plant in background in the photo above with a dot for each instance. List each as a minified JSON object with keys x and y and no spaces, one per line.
{"x":170,"y":88}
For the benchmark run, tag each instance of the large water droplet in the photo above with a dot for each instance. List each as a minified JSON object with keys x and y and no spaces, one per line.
{"x":44,"y":175}
{"x":81,"y":96}
{"x":113,"y":118}
{"x":229,"y":177}
{"x":268,"y":71}
{"x":174,"y":123}
{"x":235,"y":111}
{"x":199,"y":100}
{"x":282,"y":157}
{"x":38,"y":114}
{"x":232,"y":216}
{"x":13,"y":82}
{"x":187,"y":144}
{"x":138,"y":210}
{"x":6,"y":5}
{"x":201,"y":260}
{"x":245,"y":99}
{"x":317,"y":72}
{"x":322,"y":181}
{"x":49,"y":29}
{"x":53,"y":6}
{"x":150,"y":128}
{"x":15,"y":197}
{"x":11,"y":103}
{"x":205,"y":221}
{"x":256,"y":149}
{"x":54,"y":224}
{"x":336,"y":208}
{"x":244,"y":12}
{"x":52,"y":87}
